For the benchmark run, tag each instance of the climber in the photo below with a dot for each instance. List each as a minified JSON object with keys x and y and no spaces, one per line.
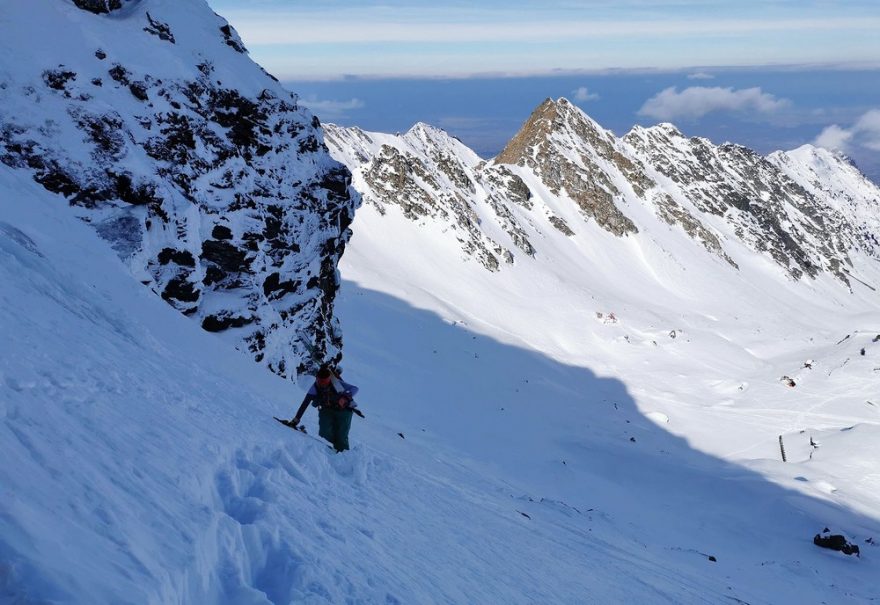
{"x":334,"y":399}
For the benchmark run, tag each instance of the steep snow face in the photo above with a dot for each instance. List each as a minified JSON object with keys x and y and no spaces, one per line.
{"x":764,"y":207}
{"x":834,"y":179}
{"x":208,"y":179}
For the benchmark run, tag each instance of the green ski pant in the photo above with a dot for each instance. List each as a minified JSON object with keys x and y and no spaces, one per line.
{"x":333,"y":425}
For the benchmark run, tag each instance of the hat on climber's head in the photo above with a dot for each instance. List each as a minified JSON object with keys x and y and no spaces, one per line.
{"x":323,"y":376}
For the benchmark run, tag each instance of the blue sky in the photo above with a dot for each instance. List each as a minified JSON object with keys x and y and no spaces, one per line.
{"x":769,"y":75}
{"x":324,"y":39}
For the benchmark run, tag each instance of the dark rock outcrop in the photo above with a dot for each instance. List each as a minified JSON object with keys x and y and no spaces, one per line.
{"x":230,"y":36}
{"x":217,"y":190}
{"x":159,"y":29}
{"x":99,"y":6}
{"x":836,"y":542}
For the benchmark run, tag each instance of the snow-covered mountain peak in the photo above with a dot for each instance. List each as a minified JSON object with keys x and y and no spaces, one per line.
{"x":662,"y":134}
{"x":427,"y":131}
{"x":770,"y":211}
{"x":668,"y":128}
{"x":553,"y":123}
{"x":434,"y":141}
{"x":830,"y":160}
{"x":831,"y":176}
{"x":429,"y":176}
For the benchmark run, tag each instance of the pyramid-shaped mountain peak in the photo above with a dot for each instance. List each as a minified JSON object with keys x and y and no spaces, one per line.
{"x":425,"y":128}
{"x":553,"y":124}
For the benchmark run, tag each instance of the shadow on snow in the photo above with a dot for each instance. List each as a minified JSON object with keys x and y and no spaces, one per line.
{"x":561,"y":438}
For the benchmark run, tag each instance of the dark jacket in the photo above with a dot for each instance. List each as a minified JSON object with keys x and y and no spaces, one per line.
{"x":336,"y":395}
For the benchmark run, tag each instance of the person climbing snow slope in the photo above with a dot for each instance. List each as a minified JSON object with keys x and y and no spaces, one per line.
{"x":334,"y":399}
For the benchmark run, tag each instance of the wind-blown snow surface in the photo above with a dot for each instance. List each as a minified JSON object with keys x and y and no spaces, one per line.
{"x":140,"y":463}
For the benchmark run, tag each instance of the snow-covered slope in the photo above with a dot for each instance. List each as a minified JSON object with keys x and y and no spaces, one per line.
{"x":140,"y":463}
{"x":210,"y":181}
{"x":597,"y":418}
{"x":640,"y":244}
{"x":834,"y":178}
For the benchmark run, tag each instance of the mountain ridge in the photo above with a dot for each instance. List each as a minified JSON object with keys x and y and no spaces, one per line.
{"x":719,"y":195}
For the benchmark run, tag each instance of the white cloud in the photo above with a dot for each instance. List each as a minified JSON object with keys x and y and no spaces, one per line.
{"x":331,"y":109}
{"x":697,"y":101}
{"x":582,"y":94}
{"x":864,"y":133}
{"x":868,"y":130}
{"x":834,"y":137}
{"x":700,"y":75}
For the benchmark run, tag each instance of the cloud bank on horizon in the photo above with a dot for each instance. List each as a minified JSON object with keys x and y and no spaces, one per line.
{"x":338,"y":38}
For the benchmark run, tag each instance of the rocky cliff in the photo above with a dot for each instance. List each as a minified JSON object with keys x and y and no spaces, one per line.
{"x":203,"y":173}
{"x":833,"y":178}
